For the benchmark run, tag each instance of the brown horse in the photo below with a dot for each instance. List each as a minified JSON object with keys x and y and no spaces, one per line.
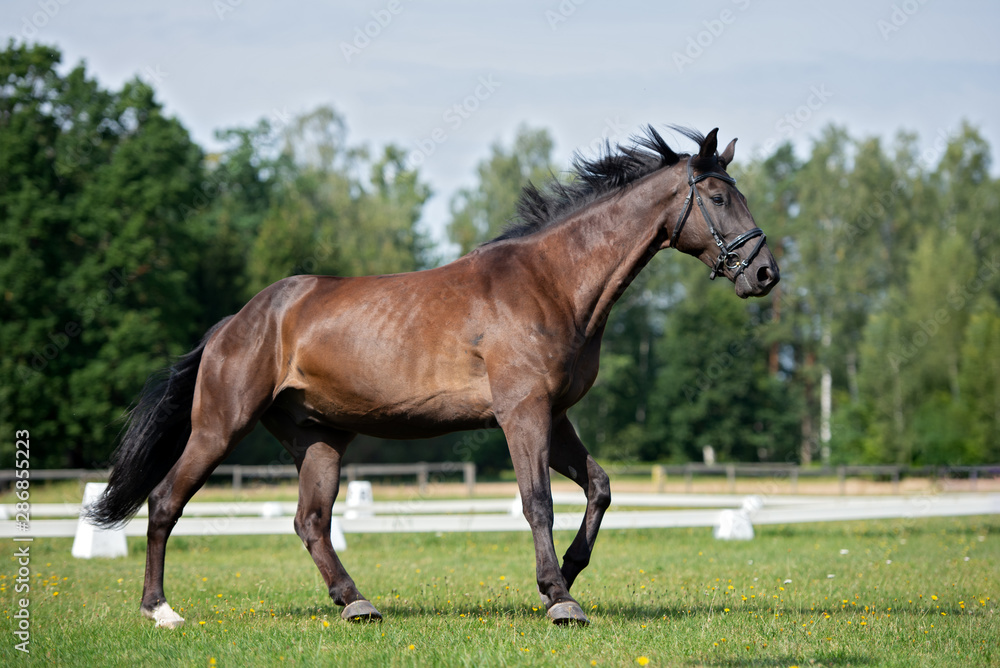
{"x":509,"y":333}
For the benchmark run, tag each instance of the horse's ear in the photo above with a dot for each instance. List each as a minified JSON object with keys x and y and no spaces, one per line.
{"x":710,"y":144}
{"x":726,"y":156}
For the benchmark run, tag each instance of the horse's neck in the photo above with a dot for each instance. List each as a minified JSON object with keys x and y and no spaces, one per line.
{"x":601,"y":249}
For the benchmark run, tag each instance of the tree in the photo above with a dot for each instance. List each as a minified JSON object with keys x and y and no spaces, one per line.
{"x":94,"y":251}
{"x":325,"y":219}
{"x":712,"y":385}
{"x":481,"y":213}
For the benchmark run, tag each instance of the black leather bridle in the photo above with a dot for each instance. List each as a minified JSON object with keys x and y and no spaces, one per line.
{"x":728,"y":258}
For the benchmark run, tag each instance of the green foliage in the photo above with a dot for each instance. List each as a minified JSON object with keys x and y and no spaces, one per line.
{"x":481,"y":213}
{"x":712,"y":387}
{"x":323,"y":219}
{"x":121,"y":243}
{"x":96,"y":251}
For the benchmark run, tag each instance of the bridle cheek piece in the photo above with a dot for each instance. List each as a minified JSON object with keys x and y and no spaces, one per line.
{"x":728,"y":258}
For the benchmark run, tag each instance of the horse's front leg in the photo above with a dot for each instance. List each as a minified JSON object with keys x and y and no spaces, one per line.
{"x":570,"y":457}
{"x":528,"y":428}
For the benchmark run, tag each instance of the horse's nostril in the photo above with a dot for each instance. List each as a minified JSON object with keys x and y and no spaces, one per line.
{"x":763,"y":275}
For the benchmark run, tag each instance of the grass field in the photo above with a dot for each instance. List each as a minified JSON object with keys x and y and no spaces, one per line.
{"x":892,"y":593}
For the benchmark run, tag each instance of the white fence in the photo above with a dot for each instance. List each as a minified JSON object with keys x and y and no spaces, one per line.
{"x":240,"y":472}
{"x":476,"y":515}
{"x":658,"y":474}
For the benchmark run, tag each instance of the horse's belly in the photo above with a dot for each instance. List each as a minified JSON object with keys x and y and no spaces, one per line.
{"x":391,"y":405}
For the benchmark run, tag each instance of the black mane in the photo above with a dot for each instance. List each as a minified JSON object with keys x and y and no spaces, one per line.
{"x":613,"y":170}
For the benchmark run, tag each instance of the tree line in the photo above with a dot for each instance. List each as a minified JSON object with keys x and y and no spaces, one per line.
{"x":122,"y":241}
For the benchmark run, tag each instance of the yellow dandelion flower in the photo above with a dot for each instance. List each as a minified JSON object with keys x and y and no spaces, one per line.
{"x":411,"y":647}
{"x":642,"y":660}
{"x":326,"y":624}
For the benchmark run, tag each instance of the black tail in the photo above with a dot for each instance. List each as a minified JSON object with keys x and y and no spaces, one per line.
{"x":157,"y":430}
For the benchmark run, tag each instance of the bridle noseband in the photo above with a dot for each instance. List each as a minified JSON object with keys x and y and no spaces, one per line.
{"x":728,"y":259}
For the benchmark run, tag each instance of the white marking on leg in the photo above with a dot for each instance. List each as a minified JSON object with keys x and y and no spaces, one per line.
{"x":164,"y":616}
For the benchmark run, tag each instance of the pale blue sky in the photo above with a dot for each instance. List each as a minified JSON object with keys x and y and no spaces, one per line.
{"x":584,"y":69}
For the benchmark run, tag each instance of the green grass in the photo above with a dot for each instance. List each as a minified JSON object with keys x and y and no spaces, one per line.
{"x":675,"y":597}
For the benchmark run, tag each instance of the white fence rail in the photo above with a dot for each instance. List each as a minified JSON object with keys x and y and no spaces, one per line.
{"x":658,"y":474}
{"x":240,"y":472}
{"x":207,"y":519}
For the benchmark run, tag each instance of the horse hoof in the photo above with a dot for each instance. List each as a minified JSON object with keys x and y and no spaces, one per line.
{"x":568,"y":612}
{"x":361,"y":611}
{"x":164,"y":616}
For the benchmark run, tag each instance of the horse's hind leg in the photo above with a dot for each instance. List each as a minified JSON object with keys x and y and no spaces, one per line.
{"x":318,"y":453}
{"x":202,"y":454}
{"x":220,"y":418}
{"x":569,"y":457}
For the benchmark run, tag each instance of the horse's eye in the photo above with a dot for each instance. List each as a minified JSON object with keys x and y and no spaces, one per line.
{"x":718,"y":200}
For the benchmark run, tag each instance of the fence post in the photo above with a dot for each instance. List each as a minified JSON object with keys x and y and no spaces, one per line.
{"x":237,"y":479}
{"x":659,"y":477}
{"x":895,"y":480}
{"x":470,"y":477}
{"x":731,"y":477}
{"x":842,"y":479}
{"x":422,"y":475}
{"x":794,"y":477}
{"x":687,"y":478}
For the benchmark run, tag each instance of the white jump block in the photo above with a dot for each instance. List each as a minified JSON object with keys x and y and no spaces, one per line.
{"x":92,"y":541}
{"x":337,"y":538}
{"x":271,"y":509}
{"x":360,"y":500}
{"x":736,"y":524}
{"x":516,"y":507}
